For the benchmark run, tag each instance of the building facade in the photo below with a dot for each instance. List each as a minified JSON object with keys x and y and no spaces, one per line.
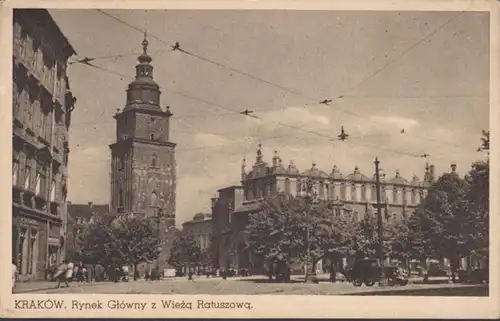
{"x":353,"y":194}
{"x":201,"y":228}
{"x":224,"y":227}
{"x":143,"y":167}
{"x":42,"y":103}
{"x":79,"y":215}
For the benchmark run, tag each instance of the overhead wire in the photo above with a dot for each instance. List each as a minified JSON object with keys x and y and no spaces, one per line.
{"x":279,"y":86}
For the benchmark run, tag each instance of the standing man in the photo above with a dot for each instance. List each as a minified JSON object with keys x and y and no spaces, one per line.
{"x":62,"y":274}
{"x":69,"y":271}
{"x":14,"y":275}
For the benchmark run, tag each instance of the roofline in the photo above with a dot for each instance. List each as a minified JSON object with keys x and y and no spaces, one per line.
{"x":46,"y":15}
{"x":196,"y":222}
{"x":230,"y":187}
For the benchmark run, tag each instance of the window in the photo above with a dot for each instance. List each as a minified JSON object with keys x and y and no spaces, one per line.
{"x":394,"y":216}
{"x":53,"y":191}
{"x":22,"y":45}
{"x":152,"y":136}
{"x":15,"y":101}
{"x":15,"y":172}
{"x":153,"y":198}
{"x":154,"y":160}
{"x":120,"y":196}
{"x":32,"y":251}
{"x":40,"y":186}
{"x":27,"y":174}
{"x":23,"y":250}
{"x":37,"y":185}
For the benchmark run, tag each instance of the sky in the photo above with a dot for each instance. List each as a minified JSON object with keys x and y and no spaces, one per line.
{"x":424,"y":72}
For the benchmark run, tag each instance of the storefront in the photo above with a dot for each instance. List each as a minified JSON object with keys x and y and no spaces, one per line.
{"x":36,"y":243}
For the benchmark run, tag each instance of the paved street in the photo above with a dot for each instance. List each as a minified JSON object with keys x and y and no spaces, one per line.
{"x":259,"y":285}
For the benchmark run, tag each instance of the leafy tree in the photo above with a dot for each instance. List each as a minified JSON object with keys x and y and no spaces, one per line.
{"x":477,"y":197}
{"x":366,"y":238}
{"x":135,"y":240}
{"x":485,"y":140}
{"x":121,"y":239}
{"x":449,"y":217}
{"x":288,"y":228}
{"x":185,"y":251}
{"x":420,"y":244}
{"x":93,"y":242}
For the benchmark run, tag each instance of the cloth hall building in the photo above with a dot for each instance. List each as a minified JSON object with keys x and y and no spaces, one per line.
{"x":351,"y":194}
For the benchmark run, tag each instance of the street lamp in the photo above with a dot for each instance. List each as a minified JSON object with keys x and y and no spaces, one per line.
{"x":310,"y":269}
{"x":380,"y":224}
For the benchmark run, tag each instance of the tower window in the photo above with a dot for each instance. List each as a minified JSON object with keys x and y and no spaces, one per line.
{"x":154,"y":160}
{"x":153,"y":198}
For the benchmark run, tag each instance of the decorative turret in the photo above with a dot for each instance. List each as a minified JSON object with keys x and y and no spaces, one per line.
{"x":258,"y":159}
{"x":276,"y":159}
{"x":336,"y":173}
{"x":292,"y":169}
{"x":143,"y":92}
{"x":429,"y":174}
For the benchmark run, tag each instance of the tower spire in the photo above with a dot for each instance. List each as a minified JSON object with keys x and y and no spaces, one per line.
{"x":145,"y":43}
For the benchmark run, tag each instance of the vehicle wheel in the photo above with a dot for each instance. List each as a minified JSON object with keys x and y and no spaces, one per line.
{"x":357,"y":282}
{"x":369,"y":283}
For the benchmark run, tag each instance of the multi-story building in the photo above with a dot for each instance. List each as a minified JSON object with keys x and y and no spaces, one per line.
{"x":143,"y":178}
{"x":201,"y":229}
{"x":79,"y":215}
{"x":224,"y":228}
{"x":353,"y":194}
{"x":41,"y":111}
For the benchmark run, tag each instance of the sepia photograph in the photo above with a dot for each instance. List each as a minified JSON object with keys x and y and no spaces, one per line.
{"x":250,"y":152}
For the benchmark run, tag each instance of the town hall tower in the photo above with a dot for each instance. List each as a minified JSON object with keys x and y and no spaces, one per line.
{"x":143,"y":157}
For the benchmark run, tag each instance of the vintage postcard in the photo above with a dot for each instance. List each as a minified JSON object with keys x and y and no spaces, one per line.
{"x":278,"y":159}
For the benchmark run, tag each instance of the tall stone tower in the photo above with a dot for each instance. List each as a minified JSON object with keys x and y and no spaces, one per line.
{"x":143,"y":157}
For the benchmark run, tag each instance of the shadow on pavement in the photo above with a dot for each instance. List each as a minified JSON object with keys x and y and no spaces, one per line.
{"x":269,"y":282}
{"x":479,"y":291}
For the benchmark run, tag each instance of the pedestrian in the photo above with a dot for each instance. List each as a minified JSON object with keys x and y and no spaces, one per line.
{"x":62,"y":274}
{"x":190,"y":274}
{"x":333,"y":273}
{"x":69,"y":271}
{"x":14,"y":275}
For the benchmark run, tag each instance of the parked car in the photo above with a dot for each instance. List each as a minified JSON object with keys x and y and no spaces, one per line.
{"x":479,"y":276}
{"x":368,"y":271}
{"x":365,"y":271}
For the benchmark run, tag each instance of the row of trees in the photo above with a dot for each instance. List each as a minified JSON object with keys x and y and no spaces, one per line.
{"x":451,"y":222}
{"x":122,"y":240}
{"x":130,"y":240}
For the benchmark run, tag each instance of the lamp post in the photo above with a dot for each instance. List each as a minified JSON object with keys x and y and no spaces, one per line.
{"x":380,"y":225}
{"x":309,"y":266}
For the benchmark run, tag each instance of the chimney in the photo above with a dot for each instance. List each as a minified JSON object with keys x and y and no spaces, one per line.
{"x":453,"y":167}
{"x":91,"y":204}
{"x":214,"y":201}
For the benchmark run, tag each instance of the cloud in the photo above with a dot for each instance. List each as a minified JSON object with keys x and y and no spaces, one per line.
{"x":396,"y":121}
{"x":207,"y":139}
{"x":289,"y":120}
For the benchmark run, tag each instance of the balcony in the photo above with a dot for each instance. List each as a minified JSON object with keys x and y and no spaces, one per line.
{"x":28,"y":198}
{"x":40,"y":202}
{"x":17,"y":195}
{"x":54,"y":208}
